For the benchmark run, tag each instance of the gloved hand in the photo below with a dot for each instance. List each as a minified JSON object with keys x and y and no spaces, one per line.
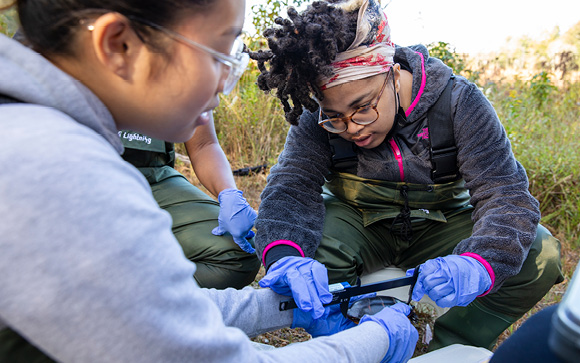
{"x":451,"y":280}
{"x":303,"y":278}
{"x":331,"y":322}
{"x":236,"y":217}
{"x":402,"y":334}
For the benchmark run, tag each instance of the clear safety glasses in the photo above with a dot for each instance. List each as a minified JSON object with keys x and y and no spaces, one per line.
{"x":236,"y":61}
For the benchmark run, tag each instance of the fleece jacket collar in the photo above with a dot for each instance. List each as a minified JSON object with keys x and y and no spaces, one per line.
{"x":434,"y":73}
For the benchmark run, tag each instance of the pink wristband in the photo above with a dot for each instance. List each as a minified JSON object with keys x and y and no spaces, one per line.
{"x":281,"y":242}
{"x":487,"y":267}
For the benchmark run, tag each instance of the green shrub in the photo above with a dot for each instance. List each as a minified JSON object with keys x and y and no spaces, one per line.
{"x":250,"y":124}
{"x":544,"y":128}
{"x":447,"y":54}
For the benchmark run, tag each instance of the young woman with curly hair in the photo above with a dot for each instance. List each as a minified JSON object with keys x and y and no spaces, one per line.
{"x":470,"y":224}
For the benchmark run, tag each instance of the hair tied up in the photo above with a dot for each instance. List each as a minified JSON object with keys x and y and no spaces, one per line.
{"x":350,"y":5}
{"x":302,"y":48}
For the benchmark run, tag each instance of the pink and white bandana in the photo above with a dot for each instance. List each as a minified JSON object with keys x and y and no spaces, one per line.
{"x":370,"y":53}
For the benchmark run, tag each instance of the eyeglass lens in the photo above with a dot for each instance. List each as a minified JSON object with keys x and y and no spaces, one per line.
{"x":362,"y":116}
{"x":237,"y":69}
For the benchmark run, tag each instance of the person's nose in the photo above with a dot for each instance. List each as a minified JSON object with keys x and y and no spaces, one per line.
{"x":353,"y":128}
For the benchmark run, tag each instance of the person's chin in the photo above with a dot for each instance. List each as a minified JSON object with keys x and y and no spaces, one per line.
{"x":203,"y":119}
{"x":187,"y":132}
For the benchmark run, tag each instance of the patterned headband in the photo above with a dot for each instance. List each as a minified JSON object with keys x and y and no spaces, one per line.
{"x":370,"y":53}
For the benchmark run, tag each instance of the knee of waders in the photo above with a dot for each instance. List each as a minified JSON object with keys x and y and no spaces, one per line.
{"x":546,"y":251}
{"x":236,"y":273}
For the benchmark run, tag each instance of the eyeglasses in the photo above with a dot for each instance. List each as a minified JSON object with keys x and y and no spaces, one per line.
{"x":364,"y":115}
{"x":236,"y":61}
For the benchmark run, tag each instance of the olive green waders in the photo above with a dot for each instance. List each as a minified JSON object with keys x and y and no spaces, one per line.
{"x":15,"y":349}
{"x":362,"y":235}
{"x":220,"y":262}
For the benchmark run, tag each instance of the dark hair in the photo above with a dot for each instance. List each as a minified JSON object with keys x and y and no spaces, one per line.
{"x":49,"y":25}
{"x":301,"y":49}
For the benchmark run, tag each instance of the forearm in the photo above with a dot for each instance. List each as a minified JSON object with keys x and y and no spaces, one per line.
{"x":367,"y":342}
{"x":248,"y":308}
{"x":211,"y":167}
{"x":292,"y":206}
{"x":256,"y":311}
{"x":209,"y":161}
{"x":289,"y":213}
{"x":505,"y":215}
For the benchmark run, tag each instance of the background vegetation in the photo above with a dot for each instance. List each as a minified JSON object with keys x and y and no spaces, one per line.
{"x":534,"y":86}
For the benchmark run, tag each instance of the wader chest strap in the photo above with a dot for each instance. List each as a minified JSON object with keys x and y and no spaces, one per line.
{"x":344,"y":154}
{"x":442,"y":140}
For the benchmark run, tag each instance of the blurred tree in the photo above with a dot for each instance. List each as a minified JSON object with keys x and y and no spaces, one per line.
{"x":572,"y":37}
{"x":266,"y":12}
{"x":566,"y":61}
{"x":448,"y":55}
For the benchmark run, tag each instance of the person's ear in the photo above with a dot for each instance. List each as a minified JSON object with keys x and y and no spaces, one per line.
{"x":116,"y":44}
{"x":397,"y":76}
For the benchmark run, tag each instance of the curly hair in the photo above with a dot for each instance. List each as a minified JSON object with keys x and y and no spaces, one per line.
{"x":301,"y":49}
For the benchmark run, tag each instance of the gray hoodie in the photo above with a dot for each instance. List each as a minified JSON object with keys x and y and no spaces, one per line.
{"x":90,"y":270}
{"x":505,"y":214}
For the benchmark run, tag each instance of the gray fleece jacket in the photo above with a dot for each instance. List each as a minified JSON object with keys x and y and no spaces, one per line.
{"x":505,"y":213}
{"x":90,"y":270}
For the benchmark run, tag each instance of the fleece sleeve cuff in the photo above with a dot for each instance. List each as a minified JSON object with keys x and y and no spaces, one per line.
{"x":278,"y":249}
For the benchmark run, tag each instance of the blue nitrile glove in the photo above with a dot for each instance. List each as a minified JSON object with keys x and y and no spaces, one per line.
{"x":303,"y":278}
{"x":402,"y":334}
{"x":331,"y":322}
{"x":236,"y":217}
{"x":451,"y":280}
